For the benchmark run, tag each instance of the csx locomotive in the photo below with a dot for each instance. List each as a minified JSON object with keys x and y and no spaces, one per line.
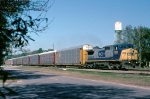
{"x":117,"y":56}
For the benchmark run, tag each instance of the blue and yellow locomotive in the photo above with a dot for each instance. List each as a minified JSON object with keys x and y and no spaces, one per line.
{"x":117,"y":56}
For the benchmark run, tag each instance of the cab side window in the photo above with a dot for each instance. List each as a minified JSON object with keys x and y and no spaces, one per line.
{"x":115,"y":47}
{"x":107,"y":48}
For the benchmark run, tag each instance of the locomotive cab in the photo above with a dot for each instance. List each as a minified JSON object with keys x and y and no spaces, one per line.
{"x":129,"y":58}
{"x":118,"y":48}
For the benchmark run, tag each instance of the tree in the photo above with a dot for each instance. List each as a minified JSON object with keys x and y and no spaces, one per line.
{"x":118,"y":38}
{"x":50,"y":49}
{"x":142,"y":43}
{"x":16,"y":24}
{"x":140,"y":37}
{"x":40,"y":50}
{"x":125,"y":36}
{"x":96,"y":47}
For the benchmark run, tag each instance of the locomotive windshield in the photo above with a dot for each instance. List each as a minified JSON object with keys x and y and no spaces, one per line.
{"x":122,"y":46}
{"x":130,"y":46}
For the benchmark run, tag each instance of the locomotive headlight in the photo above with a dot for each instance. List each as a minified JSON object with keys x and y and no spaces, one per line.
{"x":129,"y":62}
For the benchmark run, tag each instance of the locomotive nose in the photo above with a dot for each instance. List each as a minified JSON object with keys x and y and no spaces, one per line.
{"x":131,"y":52}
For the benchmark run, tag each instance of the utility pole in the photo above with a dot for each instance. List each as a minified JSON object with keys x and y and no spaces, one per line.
{"x":140,"y":49}
{"x":53,"y":46}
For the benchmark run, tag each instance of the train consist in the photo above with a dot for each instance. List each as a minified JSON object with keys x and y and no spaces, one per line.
{"x":117,"y":56}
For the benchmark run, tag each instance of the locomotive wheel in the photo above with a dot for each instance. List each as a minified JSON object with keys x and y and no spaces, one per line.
{"x":117,"y":66}
{"x":110,"y":66}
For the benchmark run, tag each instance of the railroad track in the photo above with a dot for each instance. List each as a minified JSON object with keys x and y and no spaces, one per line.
{"x":144,"y":70}
{"x":131,"y":71}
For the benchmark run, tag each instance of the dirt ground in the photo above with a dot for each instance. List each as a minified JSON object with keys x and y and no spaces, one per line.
{"x":65,"y":72}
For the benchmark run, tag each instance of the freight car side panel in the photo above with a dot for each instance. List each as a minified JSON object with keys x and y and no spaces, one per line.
{"x":34,"y":60}
{"x":9,"y":62}
{"x":6,"y":62}
{"x":19,"y":61}
{"x":68,"y":57}
{"x":25,"y":60}
{"x":47,"y":59}
{"x":28,"y":60}
{"x":14,"y":61}
{"x":55,"y":60}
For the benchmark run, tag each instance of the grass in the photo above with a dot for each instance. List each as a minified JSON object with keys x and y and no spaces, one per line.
{"x":123,"y":78}
{"x":92,"y":72}
{"x":133,"y":79}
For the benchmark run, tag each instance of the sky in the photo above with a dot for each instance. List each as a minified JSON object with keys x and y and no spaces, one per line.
{"x":79,"y":22}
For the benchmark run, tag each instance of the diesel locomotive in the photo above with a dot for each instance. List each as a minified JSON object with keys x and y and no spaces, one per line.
{"x":117,"y":56}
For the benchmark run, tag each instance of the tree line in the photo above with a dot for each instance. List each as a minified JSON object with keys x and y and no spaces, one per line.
{"x":139,"y":37}
{"x":25,"y":52}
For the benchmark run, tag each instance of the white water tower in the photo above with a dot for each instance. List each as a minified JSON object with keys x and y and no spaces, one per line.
{"x":118,"y":29}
